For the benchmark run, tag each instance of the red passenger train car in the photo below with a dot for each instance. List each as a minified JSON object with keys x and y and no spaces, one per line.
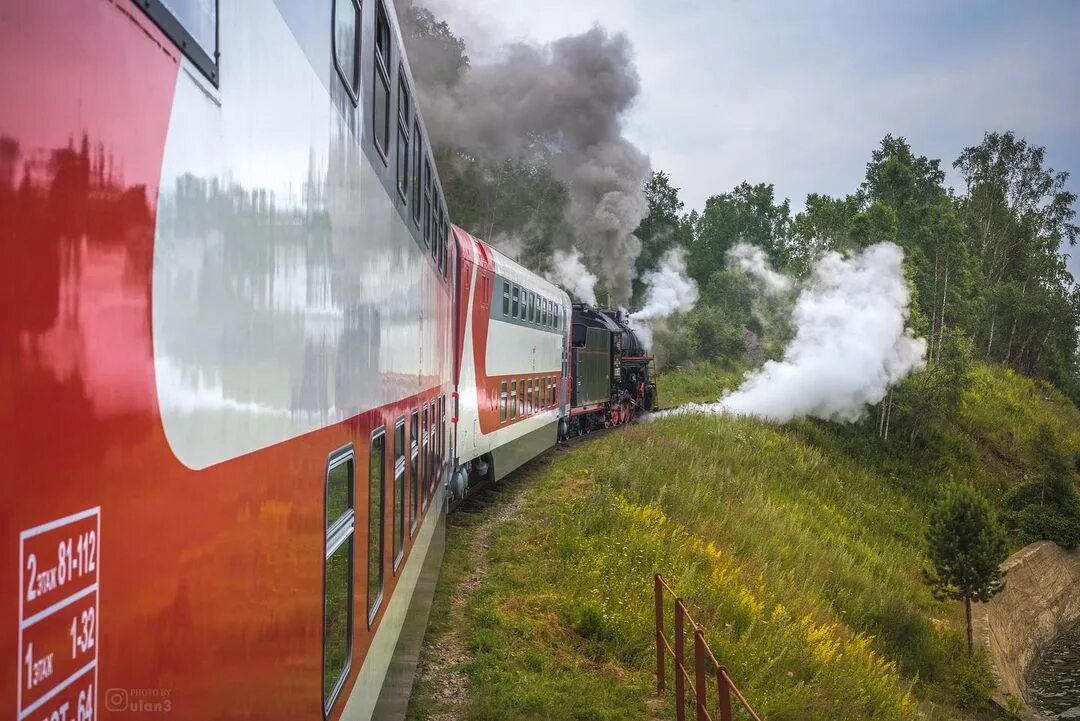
{"x":225,"y":360}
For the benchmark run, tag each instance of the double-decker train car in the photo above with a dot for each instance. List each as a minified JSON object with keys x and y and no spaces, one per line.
{"x":225,"y":359}
{"x":245,"y":360}
{"x":511,"y":364}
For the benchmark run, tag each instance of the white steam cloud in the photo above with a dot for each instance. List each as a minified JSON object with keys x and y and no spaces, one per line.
{"x":752,"y":260}
{"x":669,"y":290}
{"x":850,"y":346}
{"x":570,"y":272}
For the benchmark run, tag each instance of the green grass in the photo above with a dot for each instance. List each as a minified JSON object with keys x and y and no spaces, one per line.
{"x":701,"y":382}
{"x":799,"y":548}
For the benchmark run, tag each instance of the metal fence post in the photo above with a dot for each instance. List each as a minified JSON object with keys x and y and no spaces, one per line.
{"x":658,"y":595}
{"x":699,"y":675}
{"x":724,"y":693}
{"x":680,"y":662}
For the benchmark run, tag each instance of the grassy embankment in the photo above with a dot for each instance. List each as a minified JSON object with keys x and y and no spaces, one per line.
{"x":799,"y":547}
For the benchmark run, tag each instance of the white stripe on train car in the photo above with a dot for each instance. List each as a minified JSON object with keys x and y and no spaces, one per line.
{"x":288,"y":294}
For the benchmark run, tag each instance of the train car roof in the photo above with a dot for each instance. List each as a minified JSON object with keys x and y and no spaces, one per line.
{"x":470,"y":246}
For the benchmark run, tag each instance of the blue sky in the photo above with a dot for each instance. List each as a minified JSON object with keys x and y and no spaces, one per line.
{"x":798,"y":93}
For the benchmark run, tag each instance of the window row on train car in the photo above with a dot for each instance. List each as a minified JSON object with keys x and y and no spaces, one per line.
{"x":525,"y":305}
{"x":525,"y":397}
{"x":402,"y":158}
{"x":403,"y":162}
{"x":416,"y":460}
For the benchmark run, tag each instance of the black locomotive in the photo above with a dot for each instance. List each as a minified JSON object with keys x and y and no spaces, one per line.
{"x":612,"y":375}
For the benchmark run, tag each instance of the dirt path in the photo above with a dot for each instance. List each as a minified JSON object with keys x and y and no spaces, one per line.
{"x":442,"y":660}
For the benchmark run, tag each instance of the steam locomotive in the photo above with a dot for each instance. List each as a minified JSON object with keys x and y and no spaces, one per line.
{"x":613,"y":377}
{"x":246,"y":360}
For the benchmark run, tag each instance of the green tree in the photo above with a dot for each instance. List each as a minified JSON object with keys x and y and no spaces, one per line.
{"x":1018,"y":214}
{"x":436,"y":55}
{"x":966,"y":546}
{"x":1048,"y":507}
{"x":748,"y":214}
{"x":825,"y":224}
{"x":661,"y":228}
{"x":933,"y":397}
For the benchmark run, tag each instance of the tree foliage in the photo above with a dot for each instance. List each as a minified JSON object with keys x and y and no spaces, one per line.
{"x":748,"y":214}
{"x":1047,"y":507}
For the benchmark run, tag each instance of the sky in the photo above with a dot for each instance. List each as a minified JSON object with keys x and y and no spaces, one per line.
{"x":798,"y":94}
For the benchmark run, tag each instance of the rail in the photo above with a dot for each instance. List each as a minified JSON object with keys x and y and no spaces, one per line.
{"x":725,"y":687}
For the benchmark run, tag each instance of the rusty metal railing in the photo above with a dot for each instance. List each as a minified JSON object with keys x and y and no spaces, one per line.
{"x":725,"y":687}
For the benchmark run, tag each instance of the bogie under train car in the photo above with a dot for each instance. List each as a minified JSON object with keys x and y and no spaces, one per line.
{"x":245,"y":360}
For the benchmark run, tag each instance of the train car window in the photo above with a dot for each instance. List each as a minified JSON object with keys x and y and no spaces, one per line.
{"x":399,"y":492}
{"x":418,"y":188}
{"x":414,"y":468}
{"x":192,"y":25}
{"x":425,"y":461}
{"x":436,"y":228}
{"x":544,"y":309}
{"x":532,"y":302}
{"x":340,"y":524}
{"x":444,"y":238}
{"x":376,"y":484}
{"x":502,"y":402}
{"x":403,"y":158}
{"x":347,"y":44}
{"x":514,"y":308}
{"x":381,"y":83}
{"x":536,"y":309}
{"x":442,"y":430}
{"x":433,"y":467}
{"x":506,"y":298}
{"x":427,"y":202}
{"x":444,"y":231}
{"x":513,"y":400}
{"x":443,"y":235}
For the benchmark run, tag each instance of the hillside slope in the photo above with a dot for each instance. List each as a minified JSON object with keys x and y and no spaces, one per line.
{"x":799,"y":548}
